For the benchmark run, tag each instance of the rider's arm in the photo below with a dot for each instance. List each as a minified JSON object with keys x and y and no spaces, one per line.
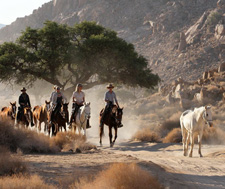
{"x":116,"y":100}
{"x":28,"y":101}
{"x":106,"y":97}
{"x":64,"y":97}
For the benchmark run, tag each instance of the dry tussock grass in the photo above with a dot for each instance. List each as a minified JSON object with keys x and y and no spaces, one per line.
{"x":121,"y":176}
{"x":173,"y":136}
{"x":213,"y":135}
{"x":26,"y":140}
{"x":9,"y":164}
{"x":147,"y":135}
{"x":25,"y":182}
{"x":70,"y":141}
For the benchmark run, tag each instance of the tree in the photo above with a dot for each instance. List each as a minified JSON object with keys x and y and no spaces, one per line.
{"x":86,"y":53}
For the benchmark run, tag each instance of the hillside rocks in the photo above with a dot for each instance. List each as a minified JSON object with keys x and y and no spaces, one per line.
{"x":183,"y":44}
{"x":210,"y":89}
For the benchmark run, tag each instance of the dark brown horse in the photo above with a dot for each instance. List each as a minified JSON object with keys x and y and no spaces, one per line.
{"x":25,"y":117}
{"x":40,"y":114}
{"x":9,"y":112}
{"x":112,"y":120}
{"x":60,"y":120}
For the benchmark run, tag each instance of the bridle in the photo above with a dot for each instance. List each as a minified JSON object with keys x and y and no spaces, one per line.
{"x":206,"y":121}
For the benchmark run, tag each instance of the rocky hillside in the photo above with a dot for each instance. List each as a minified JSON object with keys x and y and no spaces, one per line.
{"x":179,"y":37}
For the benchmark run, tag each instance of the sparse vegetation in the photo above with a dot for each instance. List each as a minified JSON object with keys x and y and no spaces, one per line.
{"x":25,"y":182}
{"x":119,"y":175}
{"x":147,"y":135}
{"x":214,"y":18}
{"x":173,"y":136}
{"x":10,"y":165}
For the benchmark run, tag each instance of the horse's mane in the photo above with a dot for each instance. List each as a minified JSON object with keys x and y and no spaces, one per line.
{"x":3,"y":108}
{"x":35,"y":107}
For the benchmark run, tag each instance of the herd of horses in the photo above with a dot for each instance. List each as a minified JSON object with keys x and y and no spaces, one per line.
{"x":41,"y":114}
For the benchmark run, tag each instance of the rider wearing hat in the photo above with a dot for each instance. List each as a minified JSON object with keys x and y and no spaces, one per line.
{"x":57,"y":100}
{"x":24,"y":101}
{"x":110,"y":99}
{"x":78,"y":101}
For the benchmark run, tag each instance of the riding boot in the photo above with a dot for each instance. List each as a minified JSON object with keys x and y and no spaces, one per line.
{"x":32,"y":123}
{"x":88,"y":125}
{"x":119,"y":126}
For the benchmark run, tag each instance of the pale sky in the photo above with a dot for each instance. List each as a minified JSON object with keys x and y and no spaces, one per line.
{"x":12,"y":9}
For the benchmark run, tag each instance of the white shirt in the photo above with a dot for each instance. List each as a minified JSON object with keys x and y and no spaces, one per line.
{"x":79,"y":96}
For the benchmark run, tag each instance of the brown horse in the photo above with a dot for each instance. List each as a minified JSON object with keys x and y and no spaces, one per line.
{"x":112,"y":120}
{"x":25,"y":117}
{"x":60,"y":120}
{"x":40,"y":114}
{"x":9,"y":112}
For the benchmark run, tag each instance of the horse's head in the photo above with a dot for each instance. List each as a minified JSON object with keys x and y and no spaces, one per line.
{"x":27,"y":113}
{"x":207,"y":116}
{"x":119,"y":115}
{"x":47,"y":105}
{"x":87,"y":110}
{"x":13,"y":107}
{"x":64,"y":110}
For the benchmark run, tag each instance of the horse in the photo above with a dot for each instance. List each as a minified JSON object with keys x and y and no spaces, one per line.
{"x":40,"y":114}
{"x":84,"y":113}
{"x":9,"y":112}
{"x":191,"y":122}
{"x":112,"y":120}
{"x":25,"y":117}
{"x":60,"y":120}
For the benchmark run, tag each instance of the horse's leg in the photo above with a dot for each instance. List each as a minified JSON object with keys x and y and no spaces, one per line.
{"x":115,"y":137}
{"x":192,"y":144}
{"x":200,"y":144}
{"x":187,"y":142}
{"x":184,"y":139}
{"x":85,"y":124}
{"x":101,"y":131}
{"x":39,"y":125}
{"x":110,"y":136}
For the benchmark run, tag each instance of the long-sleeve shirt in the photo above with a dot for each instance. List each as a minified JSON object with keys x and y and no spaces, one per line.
{"x":56,"y":95}
{"x":24,"y":100}
{"x":51,"y":97}
{"x":111,"y":97}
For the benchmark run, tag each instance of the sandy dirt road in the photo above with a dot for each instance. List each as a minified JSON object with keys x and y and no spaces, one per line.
{"x":165,"y":161}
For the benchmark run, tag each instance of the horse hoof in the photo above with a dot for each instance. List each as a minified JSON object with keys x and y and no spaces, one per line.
{"x":112,"y":144}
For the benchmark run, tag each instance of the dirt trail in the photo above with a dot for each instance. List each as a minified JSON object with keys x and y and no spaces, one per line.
{"x":165,"y":161}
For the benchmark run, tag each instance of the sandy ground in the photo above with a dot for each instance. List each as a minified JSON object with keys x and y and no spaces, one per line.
{"x":165,"y":161}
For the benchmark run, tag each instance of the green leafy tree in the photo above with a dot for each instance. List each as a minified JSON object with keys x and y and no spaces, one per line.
{"x":86,"y":53}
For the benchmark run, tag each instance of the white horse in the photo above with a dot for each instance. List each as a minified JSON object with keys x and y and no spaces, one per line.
{"x":83,"y":115}
{"x":191,"y":122}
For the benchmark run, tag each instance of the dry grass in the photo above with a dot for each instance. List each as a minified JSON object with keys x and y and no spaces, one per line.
{"x":26,"y":140}
{"x":173,"y":136}
{"x":9,"y":164}
{"x":25,"y":182}
{"x":213,"y":135}
{"x":119,"y":176}
{"x":70,"y":141}
{"x":147,"y":135}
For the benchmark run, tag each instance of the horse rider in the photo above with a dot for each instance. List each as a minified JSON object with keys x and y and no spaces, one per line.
{"x":57,"y":100}
{"x":24,"y":101}
{"x":53,"y":92}
{"x":110,"y":99}
{"x":78,"y":101}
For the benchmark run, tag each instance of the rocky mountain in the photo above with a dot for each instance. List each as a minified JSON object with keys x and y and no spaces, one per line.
{"x":180,"y":38}
{"x":2,"y":25}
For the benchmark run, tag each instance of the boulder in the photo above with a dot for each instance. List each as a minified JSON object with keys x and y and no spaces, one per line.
{"x":220,"y":31}
{"x":183,"y":44}
{"x":221,"y":4}
{"x":221,"y":67}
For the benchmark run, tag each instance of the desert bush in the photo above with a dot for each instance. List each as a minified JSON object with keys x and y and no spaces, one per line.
{"x":147,"y":135}
{"x":213,"y":18}
{"x":9,"y":164}
{"x":25,"y":182}
{"x":173,"y":136}
{"x":213,"y":135}
{"x":26,"y":140}
{"x":69,"y":141}
{"x":124,"y":176}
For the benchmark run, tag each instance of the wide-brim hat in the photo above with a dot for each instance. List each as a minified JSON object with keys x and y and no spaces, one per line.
{"x":110,"y":85}
{"x":23,"y":89}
